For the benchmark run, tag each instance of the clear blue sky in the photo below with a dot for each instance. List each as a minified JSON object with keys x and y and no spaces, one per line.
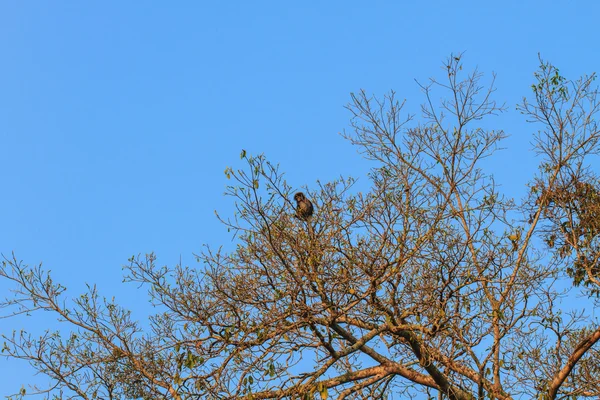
{"x":118,"y":118}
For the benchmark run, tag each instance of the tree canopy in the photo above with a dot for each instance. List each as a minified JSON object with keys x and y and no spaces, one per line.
{"x":432,"y":283}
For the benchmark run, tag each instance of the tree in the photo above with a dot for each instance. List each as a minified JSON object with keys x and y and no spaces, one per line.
{"x":432,"y":282}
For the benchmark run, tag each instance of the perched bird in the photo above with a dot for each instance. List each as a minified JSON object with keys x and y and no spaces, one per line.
{"x":304,"y":208}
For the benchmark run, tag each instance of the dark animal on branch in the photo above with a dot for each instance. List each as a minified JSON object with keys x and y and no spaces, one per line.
{"x":304,"y":208}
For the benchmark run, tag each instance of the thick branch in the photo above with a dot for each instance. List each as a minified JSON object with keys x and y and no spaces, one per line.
{"x":579,"y":352}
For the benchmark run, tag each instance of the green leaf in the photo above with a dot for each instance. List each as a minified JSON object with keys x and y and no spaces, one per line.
{"x":271,"y":370}
{"x":243,"y":154}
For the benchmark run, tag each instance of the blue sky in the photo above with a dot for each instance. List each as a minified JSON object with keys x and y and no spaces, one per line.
{"x":117,"y":119}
